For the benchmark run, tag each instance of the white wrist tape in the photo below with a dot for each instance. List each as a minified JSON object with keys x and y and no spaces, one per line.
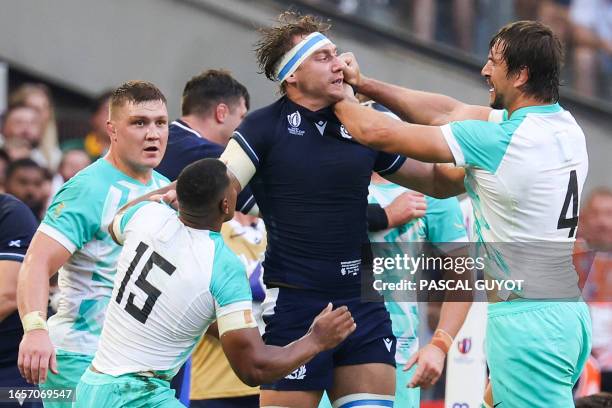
{"x":33,"y":320}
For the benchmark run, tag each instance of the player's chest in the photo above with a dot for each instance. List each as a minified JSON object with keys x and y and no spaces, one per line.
{"x":321,"y":150}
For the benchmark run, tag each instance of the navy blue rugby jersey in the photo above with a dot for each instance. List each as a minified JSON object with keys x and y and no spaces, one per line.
{"x":186,"y":146}
{"x":311,"y":186}
{"x":17,"y":227}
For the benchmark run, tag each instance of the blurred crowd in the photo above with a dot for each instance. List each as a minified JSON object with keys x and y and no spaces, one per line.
{"x":33,"y":164}
{"x":584,"y":26}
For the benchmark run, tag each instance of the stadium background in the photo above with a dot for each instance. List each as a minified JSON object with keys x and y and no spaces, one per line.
{"x":82,"y":48}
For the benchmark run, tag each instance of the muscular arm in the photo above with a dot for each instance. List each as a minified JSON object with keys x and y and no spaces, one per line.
{"x":43,"y":259}
{"x":424,"y":108}
{"x":255,"y":362}
{"x":36,"y":352}
{"x":9,"y":270}
{"x":434,"y":180}
{"x":381,"y":132}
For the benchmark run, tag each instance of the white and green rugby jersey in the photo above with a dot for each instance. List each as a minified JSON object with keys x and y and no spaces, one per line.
{"x":78,"y":219}
{"x":524,"y":175}
{"x":172,"y":282}
{"x":443,"y":222}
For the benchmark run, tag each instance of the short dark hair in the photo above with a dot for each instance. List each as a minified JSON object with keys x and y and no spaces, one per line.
{"x":135,"y":92}
{"x":205,"y":91}
{"x":532,"y":45}
{"x":201,"y":185}
{"x":276,"y":41}
{"x":25,"y":163}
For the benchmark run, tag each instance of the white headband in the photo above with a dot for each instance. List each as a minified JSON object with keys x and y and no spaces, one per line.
{"x":295,"y":56}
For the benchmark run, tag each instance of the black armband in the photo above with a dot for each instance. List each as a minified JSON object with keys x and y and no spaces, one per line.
{"x":377,"y":218}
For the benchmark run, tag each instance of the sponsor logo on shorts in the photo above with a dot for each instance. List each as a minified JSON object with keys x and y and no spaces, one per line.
{"x":297,"y":374}
{"x":388,"y":343}
{"x":496,"y":404}
{"x":464,"y":345}
{"x":16,"y":243}
{"x":295,"y":119}
{"x":461,"y":405}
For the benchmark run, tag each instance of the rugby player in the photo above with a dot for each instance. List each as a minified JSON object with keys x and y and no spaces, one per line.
{"x":73,"y":236}
{"x":526,"y":162}
{"x":213,"y":105}
{"x":310,"y":181}
{"x":175,"y":276}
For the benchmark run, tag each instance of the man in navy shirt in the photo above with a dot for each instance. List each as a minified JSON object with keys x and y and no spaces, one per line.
{"x":213,"y":105}
{"x":17,"y":226}
{"x":310,"y":181}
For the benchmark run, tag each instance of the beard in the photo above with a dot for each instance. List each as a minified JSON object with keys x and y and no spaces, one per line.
{"x":498,"y":102}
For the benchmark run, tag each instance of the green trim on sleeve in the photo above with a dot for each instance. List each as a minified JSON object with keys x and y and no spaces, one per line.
{"x":229,"y":283}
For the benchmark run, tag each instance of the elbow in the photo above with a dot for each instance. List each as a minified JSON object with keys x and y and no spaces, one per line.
{"x":252,"y":376}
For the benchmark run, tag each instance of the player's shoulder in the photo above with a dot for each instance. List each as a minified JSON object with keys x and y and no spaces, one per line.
{"x":11,"y":205}
{"x":223,"y":254}
{"x":15,"y":216}
{"x":150,"y":213}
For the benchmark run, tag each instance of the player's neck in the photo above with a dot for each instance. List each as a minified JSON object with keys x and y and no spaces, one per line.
{"x":205,"y":127}
{"x":523,"y":101}
{"x":309,"y":102}
{"x":142,"y":175}
{"x":200,"y":222}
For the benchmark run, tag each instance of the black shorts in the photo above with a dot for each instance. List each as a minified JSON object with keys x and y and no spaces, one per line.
{"x":293,"y":313}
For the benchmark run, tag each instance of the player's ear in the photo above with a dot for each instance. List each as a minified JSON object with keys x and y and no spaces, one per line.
{"x":111,"y":130}
{"x":522,"y":76}
{"x":224,"y":206}
{"x":291,"y":79}
{"x":221,"y":112}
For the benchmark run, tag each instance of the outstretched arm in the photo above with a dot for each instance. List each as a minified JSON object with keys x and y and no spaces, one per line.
{"x":381,"y":132}
{"x":255,"y":362}
{"x":434,"y":180}
{"x":424,"y":108}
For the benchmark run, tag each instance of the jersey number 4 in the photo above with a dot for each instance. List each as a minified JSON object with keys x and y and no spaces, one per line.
{"x":570,"y":196}
{"x":151,"y":291}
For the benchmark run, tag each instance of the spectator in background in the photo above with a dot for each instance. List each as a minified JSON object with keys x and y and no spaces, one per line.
{"x":97,"y":142}
{"x":555,"y":14}
{"x":594,"y":263}
{"x":21,"y":128}
{"x":24,"y":180}
{"x":17,"y":226}
{"x":72,"y":162}
{"x":592,"y":35}
{"x":4,"y":162}
{"x":38,"y":97}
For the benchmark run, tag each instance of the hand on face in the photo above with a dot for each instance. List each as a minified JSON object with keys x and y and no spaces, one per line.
{"x":352,"y":74}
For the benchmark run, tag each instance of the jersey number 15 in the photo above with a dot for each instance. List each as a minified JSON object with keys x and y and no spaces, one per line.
{"x":151,"y":291}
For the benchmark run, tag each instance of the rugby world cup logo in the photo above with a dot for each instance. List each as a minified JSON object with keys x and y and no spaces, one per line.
{"x":294,"y":119}
{"x":465,"y":345}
